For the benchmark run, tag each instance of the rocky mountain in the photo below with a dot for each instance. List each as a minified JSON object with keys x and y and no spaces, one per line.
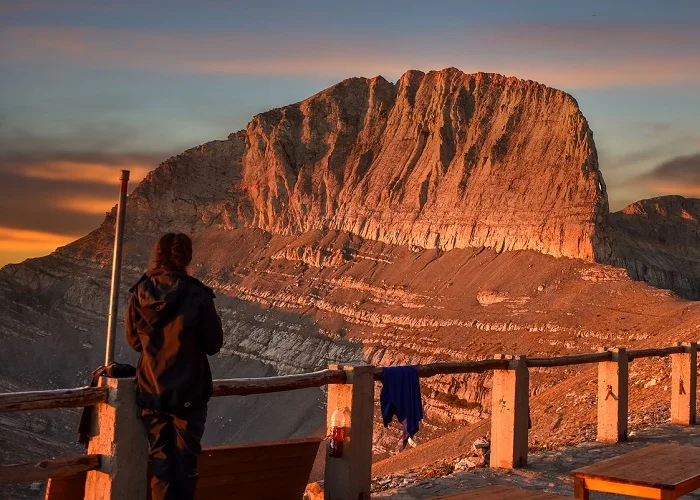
{"x":444,"y":160}
{"x":658,"y":241}
{"x":444,"y":217}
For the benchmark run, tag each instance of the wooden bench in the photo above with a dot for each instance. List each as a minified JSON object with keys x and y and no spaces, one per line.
{"x":501,"y":493}
{"x":259,"y":471}
{"x":663,"y":471}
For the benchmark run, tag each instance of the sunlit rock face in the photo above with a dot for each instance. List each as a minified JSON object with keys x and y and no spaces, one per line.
{"x":439,"y":160}
{"x":658,"y":241}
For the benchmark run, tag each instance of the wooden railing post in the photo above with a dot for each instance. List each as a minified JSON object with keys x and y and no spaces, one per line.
{"x":510,"y":407}
{"x":613,"y":397}
{"x":121,"y":440}
{"x":349,"y":477}
{"x":684,"y":385}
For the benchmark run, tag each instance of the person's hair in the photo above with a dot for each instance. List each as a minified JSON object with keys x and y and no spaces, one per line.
{"x":172,"y":252}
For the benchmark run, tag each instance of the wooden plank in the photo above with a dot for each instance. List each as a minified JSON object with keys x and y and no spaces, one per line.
{"x":53,"y":467}
{"x":443,"y":368}
{"x":223,"y":467}
{"x":574,"y":359}
{"x":260,"y":477}
{"x":252,"y":447}
{"x":277,"y":458}
{"x":633,"y":490}
{"x":60,"y":398}
{"x":650,"y":353}
{"x":688,"y":486}
{"x":500,"y":493}
{"x":282,"y":488}
{"x":658,"y":466}
{"x":66,"y":487}
{"x":247,"y":386}
{"x":580,"y":490}
{"x":273,"y":470}
{"x":663,"y":465}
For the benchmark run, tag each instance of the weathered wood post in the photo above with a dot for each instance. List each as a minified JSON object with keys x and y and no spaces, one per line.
{"x":349,"y":477}
{"x":684,"y":384}
{"x":510,"y":407}
{"x":121,"y":439}
{"x":613,"y":388}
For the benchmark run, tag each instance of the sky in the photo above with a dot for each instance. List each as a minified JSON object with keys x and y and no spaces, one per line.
{"x":90,"y":87}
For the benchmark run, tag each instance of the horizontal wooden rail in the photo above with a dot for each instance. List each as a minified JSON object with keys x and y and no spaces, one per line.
{"x":87,"y":396}
{"x":60,"y":398}
{"x":247,"y":386}
{"x":445,"y":368}
{"x":53,"y":467}
{"x":648,"y":353}
{"x":574,"y":359}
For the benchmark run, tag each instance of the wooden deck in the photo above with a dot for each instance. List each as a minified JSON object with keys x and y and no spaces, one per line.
{"x":662,"y":471}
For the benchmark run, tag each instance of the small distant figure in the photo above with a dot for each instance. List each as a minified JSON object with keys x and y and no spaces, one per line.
{"x":171,"y":320}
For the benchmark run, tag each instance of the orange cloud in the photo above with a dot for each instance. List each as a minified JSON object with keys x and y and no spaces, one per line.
{"x":19,"y":244}
{"x":687,"y":190}
{"x":55,"y":170}
{"x":85,"y":205}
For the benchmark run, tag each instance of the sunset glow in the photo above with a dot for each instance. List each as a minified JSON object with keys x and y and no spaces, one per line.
{"x":83,"y":172}
{"x":21,"y":243}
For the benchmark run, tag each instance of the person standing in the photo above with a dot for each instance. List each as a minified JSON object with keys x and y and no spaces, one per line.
{"x":172,"y":322}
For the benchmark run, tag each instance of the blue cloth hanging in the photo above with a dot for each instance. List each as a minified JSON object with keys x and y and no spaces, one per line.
{"x":400,"y":396}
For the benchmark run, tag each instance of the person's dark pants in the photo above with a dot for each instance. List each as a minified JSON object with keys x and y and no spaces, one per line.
{"x":175,"y":447}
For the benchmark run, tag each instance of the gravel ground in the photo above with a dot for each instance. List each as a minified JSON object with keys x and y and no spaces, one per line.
{"x":546,"y":471}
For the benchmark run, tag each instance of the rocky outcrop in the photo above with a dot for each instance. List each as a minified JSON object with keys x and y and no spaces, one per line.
{"x":438,"y":160}
{"x":658,"y":241}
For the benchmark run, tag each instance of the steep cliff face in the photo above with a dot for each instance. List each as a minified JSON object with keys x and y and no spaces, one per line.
{"x":439,"y":160}
{"x":658,"y":241}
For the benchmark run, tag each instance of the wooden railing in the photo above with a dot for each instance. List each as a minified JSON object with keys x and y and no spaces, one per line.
{"x":351,"y":388}
{"x":46,"y":469}
{"x":61,"y":398}
{"x":248,"y":386}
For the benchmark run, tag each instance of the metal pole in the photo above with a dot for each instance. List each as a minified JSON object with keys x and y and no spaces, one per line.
{"x":116,"y":269}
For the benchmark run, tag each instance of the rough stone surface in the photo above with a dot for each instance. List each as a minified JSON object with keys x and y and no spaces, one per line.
{"x":444,"y":159}
{"x":658,"y":241}
{"x":546,"y":471}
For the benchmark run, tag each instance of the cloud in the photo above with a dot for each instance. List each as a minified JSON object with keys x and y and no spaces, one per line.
{"x":679,"y":175}
{"x":600,"y":40}
{"x":85,"y":204}
{"x":64,"y":192}
{"x":62,"y":184}
{"x":101,"y":138}
{"x":17,"y":245}
{"x":81,"y":171}
{"x":561,"y":55}
{"x":88,"y":154}
{"x":12,"y":239}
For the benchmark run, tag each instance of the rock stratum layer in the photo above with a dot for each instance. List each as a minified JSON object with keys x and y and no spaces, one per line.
{"x":331,"y":230}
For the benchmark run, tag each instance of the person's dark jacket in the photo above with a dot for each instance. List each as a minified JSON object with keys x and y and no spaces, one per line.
{"x":171,"y":320}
